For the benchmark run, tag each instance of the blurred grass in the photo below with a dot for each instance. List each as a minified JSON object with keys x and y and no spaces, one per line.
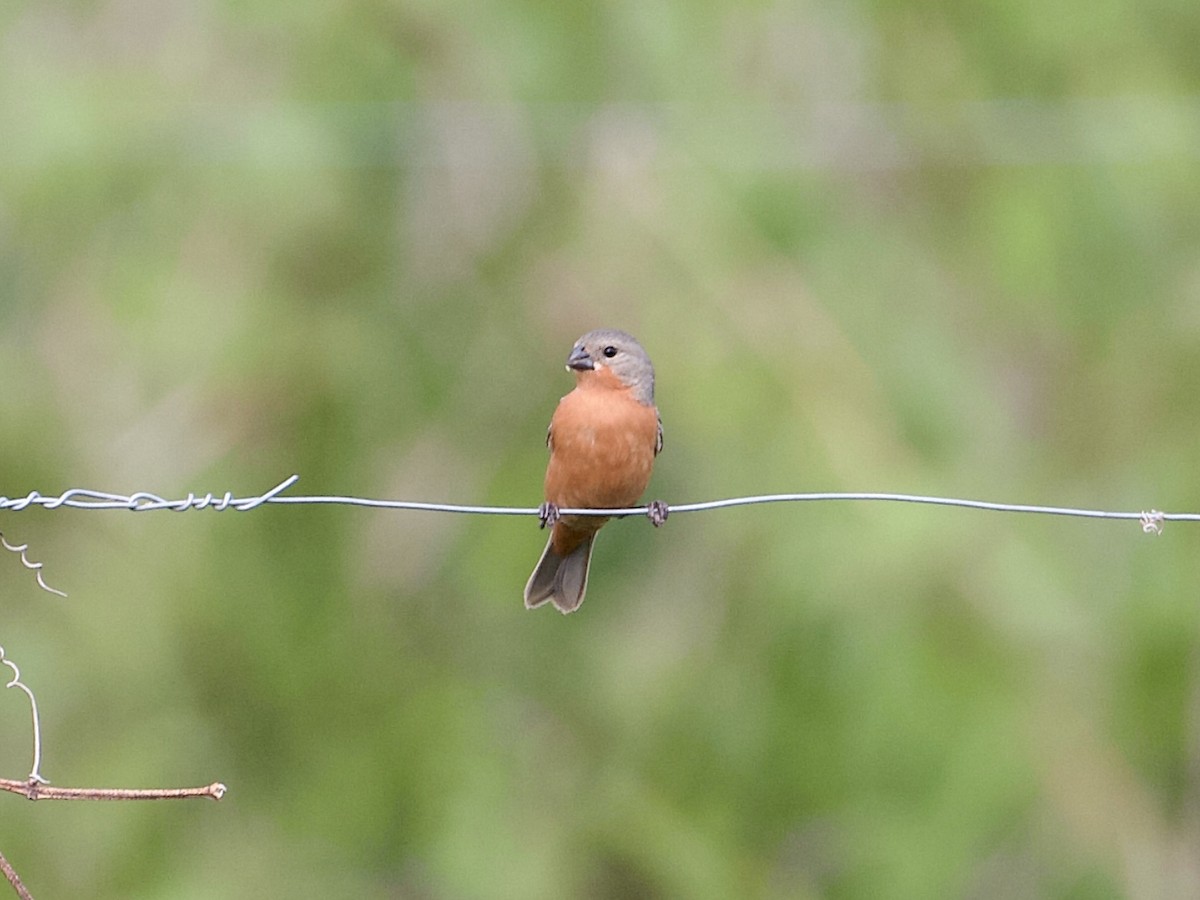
{"x":912,"y":247}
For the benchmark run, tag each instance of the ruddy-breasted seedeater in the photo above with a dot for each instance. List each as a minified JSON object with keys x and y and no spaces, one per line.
{"x":603,"y":439}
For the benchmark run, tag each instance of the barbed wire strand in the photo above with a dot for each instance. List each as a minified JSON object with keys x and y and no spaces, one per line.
{"x":142,"y":501}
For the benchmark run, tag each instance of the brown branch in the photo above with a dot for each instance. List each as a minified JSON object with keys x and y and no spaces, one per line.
{"x":35,"y":790}
{"x":14,"y":879}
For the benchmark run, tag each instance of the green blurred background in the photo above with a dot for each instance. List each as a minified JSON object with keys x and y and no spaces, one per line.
{"x":919,"y":246}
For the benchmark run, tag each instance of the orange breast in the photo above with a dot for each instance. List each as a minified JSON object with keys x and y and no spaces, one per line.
{"x":601,"y":453}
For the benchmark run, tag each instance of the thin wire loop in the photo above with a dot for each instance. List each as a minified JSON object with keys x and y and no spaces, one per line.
{"x":35,"y":775}
{"x":25,"y":561}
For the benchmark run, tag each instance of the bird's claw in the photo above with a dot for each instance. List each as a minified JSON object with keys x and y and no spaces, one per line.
{"x":657,"y":511}
{"x":548,"y":514}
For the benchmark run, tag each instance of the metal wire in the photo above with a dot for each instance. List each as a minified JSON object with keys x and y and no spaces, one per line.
{"x":27,"y":563}
{"x":35,"y":774}
{"x":81,"y":498}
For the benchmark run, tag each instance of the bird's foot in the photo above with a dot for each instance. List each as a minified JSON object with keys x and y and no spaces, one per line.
{"x":548,"y":513}
{"x":657,"y":511}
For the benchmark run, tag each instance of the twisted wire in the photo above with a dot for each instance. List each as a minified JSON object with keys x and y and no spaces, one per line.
{"x":143,"y":501}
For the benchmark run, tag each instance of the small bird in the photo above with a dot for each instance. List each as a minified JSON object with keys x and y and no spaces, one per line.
{"x":603,"y":439}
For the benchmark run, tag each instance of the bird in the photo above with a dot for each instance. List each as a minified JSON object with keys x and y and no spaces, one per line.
{"x":603,"y":437}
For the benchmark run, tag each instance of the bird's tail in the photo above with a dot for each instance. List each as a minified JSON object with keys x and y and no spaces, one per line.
{"x":560,"y":579}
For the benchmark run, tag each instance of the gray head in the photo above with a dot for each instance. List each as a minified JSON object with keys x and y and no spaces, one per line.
{"x":608,"y":352}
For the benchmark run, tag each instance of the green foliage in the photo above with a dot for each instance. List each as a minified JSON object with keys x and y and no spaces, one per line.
{"x":909,"y":247}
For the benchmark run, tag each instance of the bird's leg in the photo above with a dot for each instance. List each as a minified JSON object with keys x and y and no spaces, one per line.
{"x":548,"y":513}
{"x":657,"y":511}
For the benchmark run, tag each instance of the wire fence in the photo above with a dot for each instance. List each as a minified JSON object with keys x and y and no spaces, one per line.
{"x":36,"y":787}
{"x":1151,"y":521}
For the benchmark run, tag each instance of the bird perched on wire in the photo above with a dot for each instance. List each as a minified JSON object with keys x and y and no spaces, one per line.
{"x":603,"y":439}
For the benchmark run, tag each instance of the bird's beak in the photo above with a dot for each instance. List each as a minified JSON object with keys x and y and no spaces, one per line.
{"x":579,"y":360}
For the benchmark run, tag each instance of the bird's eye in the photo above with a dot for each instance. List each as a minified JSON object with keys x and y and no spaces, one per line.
{"x":610,"y":351}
